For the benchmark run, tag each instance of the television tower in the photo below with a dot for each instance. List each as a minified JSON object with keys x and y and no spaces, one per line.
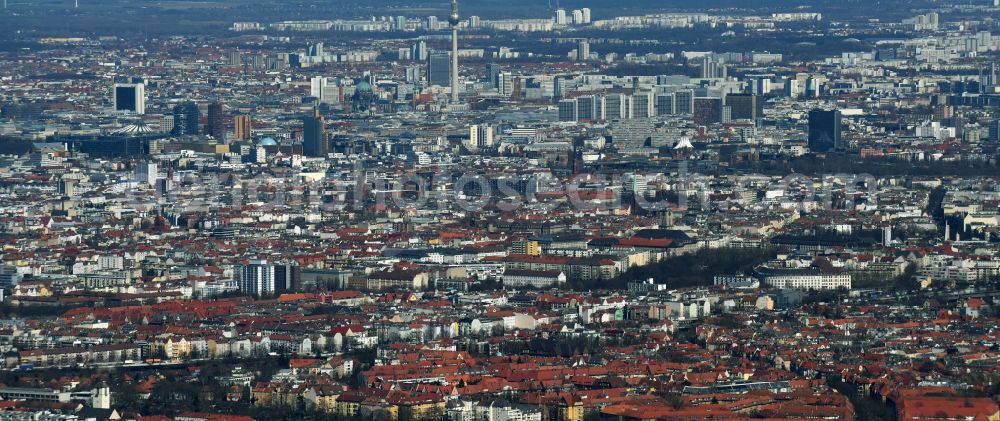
{"x":453,"y":21}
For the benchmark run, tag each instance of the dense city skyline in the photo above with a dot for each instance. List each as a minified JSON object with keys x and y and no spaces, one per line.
{"x":483,"y":210}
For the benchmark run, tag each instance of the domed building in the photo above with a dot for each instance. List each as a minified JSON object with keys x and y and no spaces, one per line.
{"x":364,"y":97}
{"x":363,"y":87}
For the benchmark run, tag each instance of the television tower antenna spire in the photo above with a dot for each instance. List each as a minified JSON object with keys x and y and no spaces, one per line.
{"x":453,"y":21}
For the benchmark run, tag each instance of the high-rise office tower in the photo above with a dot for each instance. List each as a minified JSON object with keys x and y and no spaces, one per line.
{"x":814,"y":87}
{"x":432,"y":23}
{"x":578,"y":17}
{"x":480,"y":136}
{"x":287,"y":277}
{"x":418,"y":51}
{"x":585,"y":12}
{"x":146,"y":173}
{"x":824,"y":130}
{"x":793,"y":88}
{"x":760,"y":85}
{"x":257,"y":278}
{"x":684,"y":102}
{"x":615,"y":107}
{"x":726,"y":116}
{"x":130,"y":98}
{"x":413,"y":74}
{"x":67,"y":186}
{"x":943,"y":112}
{"x":492,"y":75}
{"x":642,"y":105}
{"x":993,"y":132}
{"x":314,"y":135}
{"x":216,"y":126}
{"x":235,"y":59}
{"x":167,"y":123}
{"x":438,"y":68}
{"x":583,"y":51}
{"x":585,"y":108}
{"x":242,"y":125}
{"x":567,"y":110}
{"x":256,"y":155}
{"x":453,"y":21}
{"x":186,"y":119}
{"x":665,"y":104}
{"x":505,"y":84}
{"x":707,"y":111}
{"x":599,"y":104}
{"x":745,"y":106}
{"x":316,"y":87}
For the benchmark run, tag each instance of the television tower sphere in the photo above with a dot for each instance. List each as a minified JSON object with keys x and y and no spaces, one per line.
{"x":453,"y":18}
